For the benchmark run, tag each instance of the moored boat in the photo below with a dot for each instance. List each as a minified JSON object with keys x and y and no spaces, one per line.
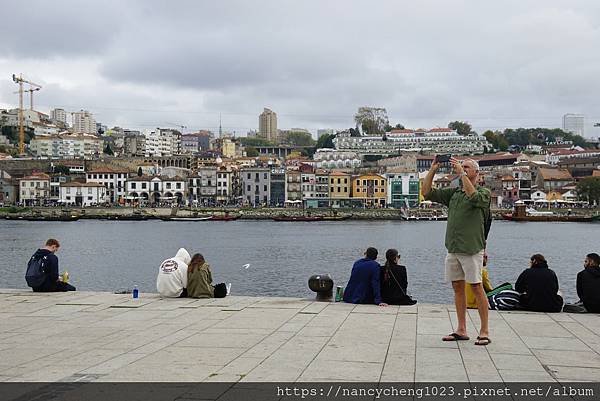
{"x":298,"y":218}
{"x":521,"y":213}
{"x":191,"y":218}
{"x":223,"y":217}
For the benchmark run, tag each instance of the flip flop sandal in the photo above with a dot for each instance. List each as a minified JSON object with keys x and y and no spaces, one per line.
{"x":455,"y":337}
{"x":483,"y":341}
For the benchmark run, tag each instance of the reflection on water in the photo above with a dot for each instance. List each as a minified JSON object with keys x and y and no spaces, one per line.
{"x":276,"y":258}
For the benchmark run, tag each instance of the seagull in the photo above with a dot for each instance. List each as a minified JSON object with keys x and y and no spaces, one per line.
{"x":246,"y":266}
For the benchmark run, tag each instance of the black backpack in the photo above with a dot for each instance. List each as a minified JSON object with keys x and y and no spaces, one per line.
{"x":36,"y":274}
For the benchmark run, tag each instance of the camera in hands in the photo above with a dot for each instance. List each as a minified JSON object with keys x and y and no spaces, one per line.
{"x":443,"y":158}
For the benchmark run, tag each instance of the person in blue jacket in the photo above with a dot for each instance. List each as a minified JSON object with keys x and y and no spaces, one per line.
{"x":363,"y":286}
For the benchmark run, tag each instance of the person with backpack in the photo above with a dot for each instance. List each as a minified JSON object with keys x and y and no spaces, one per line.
{"x":42,"y":270}
{"x":394,"y":281}
{"x":538,"y":286}
{"x":200,"y":280}
{"x":468,"y":221}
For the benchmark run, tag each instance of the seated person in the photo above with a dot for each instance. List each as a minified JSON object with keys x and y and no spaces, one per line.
{"x":394,"y":281}
{"x":172,"y":275}
{"x":485,"y":280}
{"x":588,"y":286}
{"x":538,"y":286}
{"x":42,"y":270}
{"x":363,"y":286}
{"x":200,"y":280}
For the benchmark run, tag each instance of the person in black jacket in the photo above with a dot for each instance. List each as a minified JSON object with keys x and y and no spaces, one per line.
{"x":52,"y":283}
{"x":394,"y":281}
{"x":588,"y":287}
{"x":538,"y":286}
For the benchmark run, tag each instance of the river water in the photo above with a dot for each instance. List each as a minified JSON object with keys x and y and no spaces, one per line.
{"x":115,"y":255}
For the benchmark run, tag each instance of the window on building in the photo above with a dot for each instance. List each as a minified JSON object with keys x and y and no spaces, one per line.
{"x":133,"y":185}
{"x":339,"y":189}
{"x":365,"y":183}
{"x":357,"y":189}
{"x":143,"y":185}
{"x":68,"y":190}
{"x":178,"y":185}
{"x":249,"y":176}
{"x":265,"y":188}
{"x":345,"y":189}
{"x":256,"y":177}
{"x":248,"y":189}
{"x":89,"y":191}
{"x":265,"y":176}
{"x":168,"y":185}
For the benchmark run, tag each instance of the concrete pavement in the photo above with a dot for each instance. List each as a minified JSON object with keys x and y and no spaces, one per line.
{"x":92,"y":336}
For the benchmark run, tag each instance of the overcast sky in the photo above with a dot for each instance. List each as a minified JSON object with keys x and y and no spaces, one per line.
{"x":142,"y":64}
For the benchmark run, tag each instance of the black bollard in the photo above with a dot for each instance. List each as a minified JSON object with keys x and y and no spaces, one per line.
{"x":322,"y":284}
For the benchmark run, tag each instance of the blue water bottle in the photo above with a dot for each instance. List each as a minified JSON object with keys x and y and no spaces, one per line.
{"x":136,"y":292}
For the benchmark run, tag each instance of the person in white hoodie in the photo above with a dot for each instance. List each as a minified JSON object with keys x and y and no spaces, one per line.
{"x":172,"y":275}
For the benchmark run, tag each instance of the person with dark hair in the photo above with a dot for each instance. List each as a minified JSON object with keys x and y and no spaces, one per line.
{"x":538,"y":286}
{"x":588,"y":287}
{"x":200,"y":280}
{"x":363,"y":286}
{"x":42,"y":270}
{"x":394,"y":281}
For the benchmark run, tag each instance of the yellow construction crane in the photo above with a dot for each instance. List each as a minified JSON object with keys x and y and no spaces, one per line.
{"x":32,"y":88}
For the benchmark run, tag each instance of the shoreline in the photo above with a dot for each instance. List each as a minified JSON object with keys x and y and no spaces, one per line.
{"x":148,"y":213}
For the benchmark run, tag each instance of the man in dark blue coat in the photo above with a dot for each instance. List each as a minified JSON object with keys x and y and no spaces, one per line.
{"x":363,"y":286}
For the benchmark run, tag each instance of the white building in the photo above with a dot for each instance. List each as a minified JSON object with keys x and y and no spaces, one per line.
{"x":84,"y":122}
{"x":203,"y":186}
{"x":59,"y":116}
{"x":573,"y":123}
{"x":66,"y":146}
{"x":34,"y":189}
{"x":435,"y":140}
{"x":162,"y":142}
{"x":309,"y":182}
{"x":224,"y":185}
{"x":111,"y":179}
{"x":156,"y":189}
{"x":336,"y":159}
{"x":82,"y":193}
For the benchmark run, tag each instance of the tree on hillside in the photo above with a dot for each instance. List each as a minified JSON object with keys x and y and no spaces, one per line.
{"x":589,"y":189}
{"x":108,"y":150}
{"x":371,"y":120}
{"x":462,"y":128}
{"x":539,"y":136}
{"x":299,"y":138}
{"x":251,"y":151}
{"x":389,"y":128}
{"x":246,"y":141}
{"x":61,"y":169}
{"x":325,"y":141}
{"x":497,"y":139}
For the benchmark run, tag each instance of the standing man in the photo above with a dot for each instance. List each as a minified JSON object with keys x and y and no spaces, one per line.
{"x":42,"y":270}
{"x":465,"y":241}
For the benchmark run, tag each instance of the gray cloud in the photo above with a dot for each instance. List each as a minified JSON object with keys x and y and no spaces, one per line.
{"x":496,"y":65}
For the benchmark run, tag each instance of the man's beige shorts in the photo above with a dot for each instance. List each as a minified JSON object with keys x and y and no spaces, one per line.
{"x":462,"y":266}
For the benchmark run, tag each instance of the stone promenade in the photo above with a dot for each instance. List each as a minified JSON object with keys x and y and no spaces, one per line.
{"x":90,"y":336}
